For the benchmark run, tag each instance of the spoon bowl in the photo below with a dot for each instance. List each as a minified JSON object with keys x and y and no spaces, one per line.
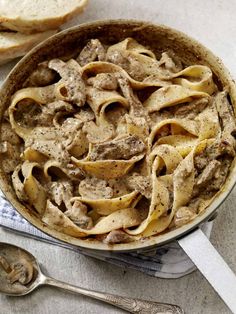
{"x":14,"y":262}
{"x":11,"y":254}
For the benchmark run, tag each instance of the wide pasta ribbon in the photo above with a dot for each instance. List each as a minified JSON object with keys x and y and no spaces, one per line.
{"x":170,"y":96}
{"x":31,"y":187}
{"x":122,"y":218}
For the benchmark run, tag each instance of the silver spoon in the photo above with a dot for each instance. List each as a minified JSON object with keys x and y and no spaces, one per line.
{"x":20,"y":274}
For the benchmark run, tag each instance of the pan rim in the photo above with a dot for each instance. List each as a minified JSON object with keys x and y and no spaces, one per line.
{"x":154,"y":241}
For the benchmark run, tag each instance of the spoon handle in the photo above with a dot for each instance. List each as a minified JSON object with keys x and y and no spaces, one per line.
{"x":129,"y":304}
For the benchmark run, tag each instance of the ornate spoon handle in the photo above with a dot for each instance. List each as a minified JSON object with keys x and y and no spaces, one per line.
{"x":129,"y":304}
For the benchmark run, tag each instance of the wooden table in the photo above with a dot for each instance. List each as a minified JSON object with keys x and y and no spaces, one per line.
{"x":214,"y":24}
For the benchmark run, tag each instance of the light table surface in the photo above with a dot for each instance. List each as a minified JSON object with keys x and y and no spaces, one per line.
{"x":213,"y":23}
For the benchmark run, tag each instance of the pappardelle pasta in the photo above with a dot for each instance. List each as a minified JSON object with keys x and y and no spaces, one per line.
{"x":118,"y":145}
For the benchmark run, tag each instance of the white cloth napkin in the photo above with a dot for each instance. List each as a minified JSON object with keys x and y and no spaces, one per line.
{"x":168,"y":261}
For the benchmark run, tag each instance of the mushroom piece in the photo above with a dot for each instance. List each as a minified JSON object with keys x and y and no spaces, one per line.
{"x":21,"y":271}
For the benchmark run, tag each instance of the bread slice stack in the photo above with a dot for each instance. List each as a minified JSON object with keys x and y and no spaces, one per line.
{"x":25,"y":23}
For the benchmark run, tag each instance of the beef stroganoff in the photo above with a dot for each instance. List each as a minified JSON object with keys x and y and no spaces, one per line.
{"x":118,"y":144}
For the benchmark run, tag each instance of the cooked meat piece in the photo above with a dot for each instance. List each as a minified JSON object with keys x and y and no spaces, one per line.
{"x":94,"y":188}
{"x":59,"y":105}
{"x":192,"y":109}
{"x":74,"y":87}
{"x":117,"y":236}
{"x":79,"y":144}
{"x":136,"y":107}
{"x":54,"y":111}
{"x":118,"y":57}
{"x":170,"y":62}
{"x":206,"y":176}
{"x":183,"y":216}
{"x":220,"y":175}
{"x":106,"y":81}
{"x":217,"y":172}
{"x":128,"y":62}
{"x":140,"y":183}
{"x":28,"y":113}
{"x":123,"y":148}
{"x":61,"y":191}
{"x":227,"y":120}
{"x":42,"y":76}
{"x":217,"y":149}
{"x":70,"y":126}
{"x":200,"y":161}
{"x":208,"y":173}
{"x":225,"y":112}
{"x":74,"y":172}
{"x":93,"y":51}
{"x":78,"y":214}
{"x":194,"y":204}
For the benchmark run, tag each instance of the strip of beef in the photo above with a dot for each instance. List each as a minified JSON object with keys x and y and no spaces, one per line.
{"x":117,"y":236}
{"x":136,"y":107}
{"x":91,"y":52}
{"x":183,"y":215}
{"x":42,"y":76}
{"x":212,"y":177}
{"x":123,"y":148}
{"x":216,"y":150}
{"x":128,"y":62}
{"x":74,"y":87}
{"x":61,"y":191}
{"x":170,"y":62}
{"x":206,"y":176}
{"x":192,"y":109}
{"x":140,"y":184}
{"x":220,"y":175}
{"x":105,"y":81}
{"x":78,"y":214}
{"x":227,"y":120}
{"x":208,"y":173}
{"x":225,"y":113}
{"x":94,"y":188}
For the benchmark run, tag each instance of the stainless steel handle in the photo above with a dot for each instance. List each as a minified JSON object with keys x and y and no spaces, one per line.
{"x":211,"y":265}
{"x":129,"y":304}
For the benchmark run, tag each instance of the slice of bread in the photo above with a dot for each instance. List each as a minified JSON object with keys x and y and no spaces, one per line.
{"x":13,"y":45}
{"x":30,"y":16}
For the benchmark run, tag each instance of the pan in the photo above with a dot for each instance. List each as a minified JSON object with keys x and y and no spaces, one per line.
{"x":159,"y":38}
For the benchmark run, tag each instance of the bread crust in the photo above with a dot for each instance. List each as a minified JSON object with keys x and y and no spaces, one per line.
{"x":30,"y":26}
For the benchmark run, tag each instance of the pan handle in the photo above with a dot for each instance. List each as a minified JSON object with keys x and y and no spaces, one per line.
{"x":211,"y":265}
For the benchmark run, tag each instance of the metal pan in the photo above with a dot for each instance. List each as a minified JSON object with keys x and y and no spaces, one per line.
{"x":159,"y":38}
